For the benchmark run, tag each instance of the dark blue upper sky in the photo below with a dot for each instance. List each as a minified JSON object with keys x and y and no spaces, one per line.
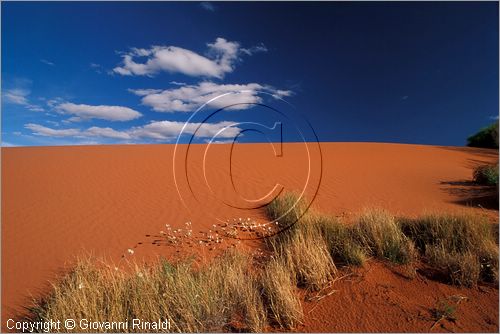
{"x":76,"y":73}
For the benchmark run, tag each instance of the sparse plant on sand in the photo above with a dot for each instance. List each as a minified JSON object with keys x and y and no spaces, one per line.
{"x":486,"y":175}
{"x":279,"y":293}
{"x":462,"y":246}
{"x":230,"y":294}
{"x":446,"y":310}
{"x":380,"y":233}
{"x":208,"y":299}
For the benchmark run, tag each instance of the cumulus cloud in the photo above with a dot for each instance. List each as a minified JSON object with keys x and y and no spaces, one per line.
{"x":220,"y":59}
{"x":19,"y":96}
{"x":189,"y":97}
{"x":169,"y":130}
{"x":41,"y":130}
{"x":110,"y":113}
{"x":156,"y":130}
{"x":16,"y":96}
{"x":106,"y":132}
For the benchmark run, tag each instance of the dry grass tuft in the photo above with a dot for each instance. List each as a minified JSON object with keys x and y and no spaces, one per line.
{"x":203,"y":300}
{"x":279,"y":293}
{"x":461,"y":268}
{"x":301,"y":247}
{"x":341,"y":240}
{"x":230,"y":294}
{"x":463,"y":246}
{"x":381,"y":235}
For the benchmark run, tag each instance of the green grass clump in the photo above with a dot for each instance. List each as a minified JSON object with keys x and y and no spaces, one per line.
{"x":486,"y":175}
{"x":287,"y":208}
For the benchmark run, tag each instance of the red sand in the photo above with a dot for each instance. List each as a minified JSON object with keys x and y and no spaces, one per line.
{"x":58,"y":202}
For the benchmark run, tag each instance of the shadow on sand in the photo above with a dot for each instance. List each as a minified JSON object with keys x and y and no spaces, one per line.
{"x":471,"y":194}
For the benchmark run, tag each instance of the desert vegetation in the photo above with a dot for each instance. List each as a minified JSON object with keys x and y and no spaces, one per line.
{"x":486,"y":175}
{"x":235,"y":293}
{"x":486,"y":137}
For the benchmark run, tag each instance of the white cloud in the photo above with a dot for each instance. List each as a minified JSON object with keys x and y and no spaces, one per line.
{"x":168,"y":130}
{"x":47,"y":62}
{"x":106,"y":132}
{"x":20,"y":97}
{"x":157,"y":130}
{"x":255,"y":49}
{"x":48,"y":132}
{"x":221,"y":58}
{"x":188,"y":98}
{"x":110,"y":113}
{"x":54,"y":123}
{"x":96,"y":67}
{"x":16,"y":96}
{"x":55,"y":101}
{"x":142,"y":92}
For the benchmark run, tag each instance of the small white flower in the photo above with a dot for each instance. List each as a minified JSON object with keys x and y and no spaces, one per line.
{"x":80,"y":286}
{"x":130,"y":251}
{"x":140,"y":274}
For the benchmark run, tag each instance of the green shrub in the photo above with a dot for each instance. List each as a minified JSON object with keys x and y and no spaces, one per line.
{"x":486,"y":137}
{"x":486,"y":175}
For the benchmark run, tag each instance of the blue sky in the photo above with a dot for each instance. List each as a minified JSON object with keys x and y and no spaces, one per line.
{"x":104,"y":73}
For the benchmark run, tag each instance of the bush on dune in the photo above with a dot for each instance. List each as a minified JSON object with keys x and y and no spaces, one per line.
{"x":486,"y":175}
{"x":486,"y":137}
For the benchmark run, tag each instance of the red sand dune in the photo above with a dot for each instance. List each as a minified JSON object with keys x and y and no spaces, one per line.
{"x":58,"y":202}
